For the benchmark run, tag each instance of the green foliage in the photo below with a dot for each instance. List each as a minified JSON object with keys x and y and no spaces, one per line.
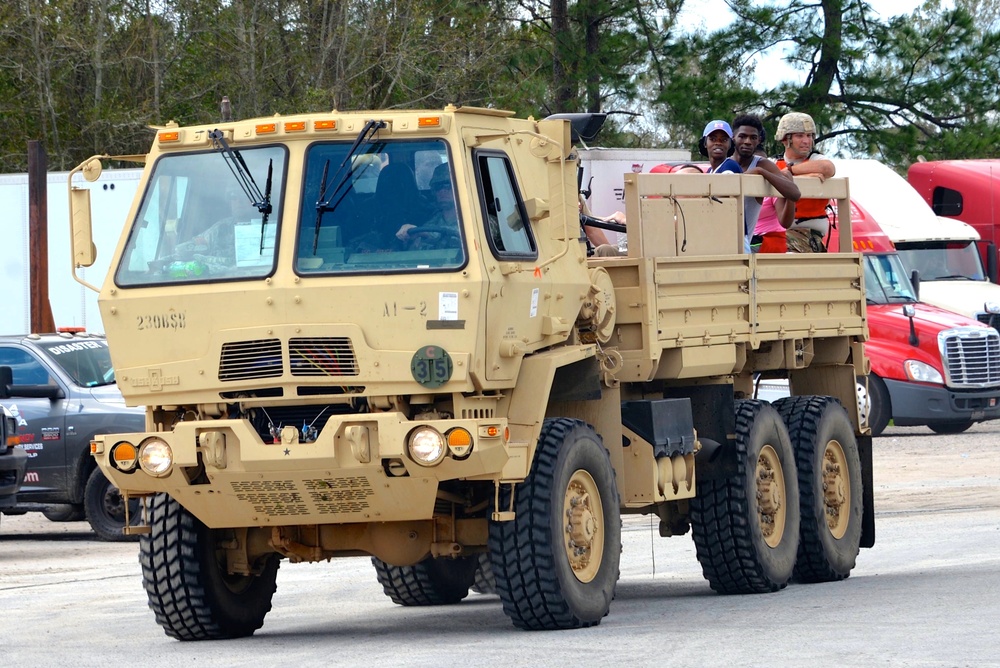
{"x":913,"y":85}
{"x":91,"y":76}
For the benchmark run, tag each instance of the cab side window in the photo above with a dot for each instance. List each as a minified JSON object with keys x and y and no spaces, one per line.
{"x":507,"y":225}
{"x":947,"y":202}
{"x":25,"y":368}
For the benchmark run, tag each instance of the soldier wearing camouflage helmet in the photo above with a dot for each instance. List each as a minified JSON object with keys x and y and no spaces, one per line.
{"x":797,"y":133}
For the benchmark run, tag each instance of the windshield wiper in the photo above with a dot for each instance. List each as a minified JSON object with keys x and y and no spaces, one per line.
{"x":267,"y":199}
{"x":260,"y":201}
{"x":324,"y":204}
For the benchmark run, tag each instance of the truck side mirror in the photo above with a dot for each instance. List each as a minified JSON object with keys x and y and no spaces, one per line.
{"x":81,"y":235}
{"x":909,"y":311}
{"x":8,"y":389}
{"x":915,"y":280}
{"x":991,"y":262}
{"x":585,"y":126}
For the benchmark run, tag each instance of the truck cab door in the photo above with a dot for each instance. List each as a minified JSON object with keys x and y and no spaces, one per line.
{"x":41,"y":427}
{"x":517,"y":301}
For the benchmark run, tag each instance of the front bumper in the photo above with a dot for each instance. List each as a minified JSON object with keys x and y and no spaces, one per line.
{"x":915,"y":404}
{"x":12,"y":466}
{"x":356,"y":471}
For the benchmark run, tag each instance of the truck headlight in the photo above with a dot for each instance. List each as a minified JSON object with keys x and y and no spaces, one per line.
{"x":922,"y":373}
{"x":155,"y":457}
{"x":427,"y":446}
{"x":992,"y":307}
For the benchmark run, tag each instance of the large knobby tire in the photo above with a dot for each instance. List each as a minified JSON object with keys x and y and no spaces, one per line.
{"x":950,"y":427}
{"x":830,"y":486}
{"x":189,"y":589}
{"x":746,"y":527}
{"x":484,"y":582}
{"x":441,"y":581}
{"x":556,"y":563}
{"x":104,"y":507}
{"x":879,"y":404}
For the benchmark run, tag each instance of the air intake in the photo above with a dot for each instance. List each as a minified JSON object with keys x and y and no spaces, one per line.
{"x":247,"y":360}
{"x":322,"y":356}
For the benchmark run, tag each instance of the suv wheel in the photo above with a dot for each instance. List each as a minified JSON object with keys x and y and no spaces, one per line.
{"x":104,"y":506}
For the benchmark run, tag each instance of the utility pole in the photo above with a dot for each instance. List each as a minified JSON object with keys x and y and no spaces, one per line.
{"x":38,"y":238}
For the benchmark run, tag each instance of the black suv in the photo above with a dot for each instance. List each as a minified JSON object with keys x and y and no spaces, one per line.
{"x":60,"y":389}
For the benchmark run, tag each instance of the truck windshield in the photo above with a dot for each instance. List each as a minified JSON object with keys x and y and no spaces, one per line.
{"x":87,"y":362}
{"x":196,"y":223}
{"x":390,"y":206}
{"x":943,"y":260}
{"x":886,"y":281}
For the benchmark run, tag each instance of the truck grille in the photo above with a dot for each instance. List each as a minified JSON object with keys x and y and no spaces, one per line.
{"x":307,"y":356}
{"x":288,"y":498}
{"x":971,"y":357}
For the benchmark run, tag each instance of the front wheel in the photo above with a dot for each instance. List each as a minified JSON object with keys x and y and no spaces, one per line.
{"x":826,"y":453}
{"x":190,"y":590}
{"x":556,"y":563}
{"x":104,"y":507}
{"x":746,"y":527}
{"x":879,"y":405}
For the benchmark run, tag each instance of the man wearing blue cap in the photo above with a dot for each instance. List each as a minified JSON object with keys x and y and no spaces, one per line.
{"x":717,"y":145}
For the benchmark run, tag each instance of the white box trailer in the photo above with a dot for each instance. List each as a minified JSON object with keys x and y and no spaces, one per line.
{"x":604,"y":169}
{"x":604,"y":172}
{"x":72,"y":304}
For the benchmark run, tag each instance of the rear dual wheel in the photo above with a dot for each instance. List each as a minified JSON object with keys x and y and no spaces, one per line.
{"x":746,"y":526}
{"x":830,"y":486}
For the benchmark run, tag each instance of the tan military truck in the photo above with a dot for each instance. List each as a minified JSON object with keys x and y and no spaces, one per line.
{"x":379,"y":333}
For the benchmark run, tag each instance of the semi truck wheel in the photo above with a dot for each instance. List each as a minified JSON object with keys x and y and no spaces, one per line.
{"x":831,"y":497}
{"x":441,"y":581}
{"x":104,"y":507}
{"x":556,"y":563}
{"x":189,"y":589}
{"x":879,"y":405}
{"x":746,"y":527}
{"x":484,"y":582}
{"x":949,"y":427}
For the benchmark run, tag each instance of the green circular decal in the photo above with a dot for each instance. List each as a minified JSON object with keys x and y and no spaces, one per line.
{"x":431,"y":366}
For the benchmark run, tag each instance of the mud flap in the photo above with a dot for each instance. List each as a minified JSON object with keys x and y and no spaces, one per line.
{"x":868,"y":517}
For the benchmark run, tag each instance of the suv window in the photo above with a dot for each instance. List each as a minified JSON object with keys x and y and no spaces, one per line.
{"x":87,"y":362}
{"x":24,"y":366}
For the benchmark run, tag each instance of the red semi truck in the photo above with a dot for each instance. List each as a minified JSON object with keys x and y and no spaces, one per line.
{"x":966,"y":190}
{"x":928,"y":366}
